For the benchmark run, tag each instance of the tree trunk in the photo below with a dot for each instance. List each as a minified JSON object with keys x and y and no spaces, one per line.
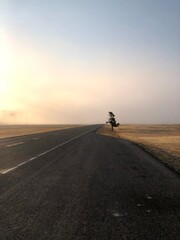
{"x":112,"y":127}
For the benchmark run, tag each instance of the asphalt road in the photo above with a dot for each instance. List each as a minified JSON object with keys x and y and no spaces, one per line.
{"x":75,"y":184}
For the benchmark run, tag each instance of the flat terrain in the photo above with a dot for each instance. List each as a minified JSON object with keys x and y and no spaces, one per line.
{"x":20,"y":130}
{"x":74,"y":184}
{"x":162,"y":141}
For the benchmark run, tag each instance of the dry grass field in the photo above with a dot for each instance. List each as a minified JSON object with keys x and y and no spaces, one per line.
{"x":19,"y":130}
{"x":162,"y":141}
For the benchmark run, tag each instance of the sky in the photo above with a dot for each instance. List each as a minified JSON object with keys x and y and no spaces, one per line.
{"x":72,"y":61}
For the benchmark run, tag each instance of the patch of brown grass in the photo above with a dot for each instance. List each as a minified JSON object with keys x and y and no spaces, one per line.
{"x":162,"y":141}
{"x":20,"y":130}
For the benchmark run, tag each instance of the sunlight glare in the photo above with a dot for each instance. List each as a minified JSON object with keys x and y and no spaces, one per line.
{"x":5,"y":63}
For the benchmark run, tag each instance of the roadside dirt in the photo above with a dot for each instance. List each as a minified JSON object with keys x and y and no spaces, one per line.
{"x":161,"y":141}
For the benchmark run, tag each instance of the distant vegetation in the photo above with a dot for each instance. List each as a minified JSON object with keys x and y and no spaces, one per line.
{"x":112,"y":121}
{"x":162,"y":141}
{"x":19,"y":130}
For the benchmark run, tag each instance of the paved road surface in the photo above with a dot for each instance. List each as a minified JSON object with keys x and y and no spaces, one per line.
{"x":74,"y":184}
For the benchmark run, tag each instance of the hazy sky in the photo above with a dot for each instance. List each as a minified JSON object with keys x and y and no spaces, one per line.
{"x":72,"y":61}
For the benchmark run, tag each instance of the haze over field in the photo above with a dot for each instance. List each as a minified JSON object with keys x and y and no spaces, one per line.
{"x":73,"y":61}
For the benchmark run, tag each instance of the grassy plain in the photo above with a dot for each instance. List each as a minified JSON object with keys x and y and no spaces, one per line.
{"x":162,"y":141}
{"x":20,"y":130}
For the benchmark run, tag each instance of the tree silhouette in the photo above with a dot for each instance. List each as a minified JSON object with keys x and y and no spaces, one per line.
{"x":112,"y":120}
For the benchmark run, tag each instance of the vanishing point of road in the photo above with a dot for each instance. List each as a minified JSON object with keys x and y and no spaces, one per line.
{"x":74,"y":184}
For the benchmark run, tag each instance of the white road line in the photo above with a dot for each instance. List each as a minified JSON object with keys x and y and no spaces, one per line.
{"x":8,"y":170}
{"x":14,"y":144}
{"x":50,"y":150}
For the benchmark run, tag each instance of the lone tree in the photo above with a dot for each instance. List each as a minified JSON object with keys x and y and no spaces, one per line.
{"x":112,"y":120}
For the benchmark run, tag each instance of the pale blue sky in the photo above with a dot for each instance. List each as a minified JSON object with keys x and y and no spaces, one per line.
{"x":122,"y":56}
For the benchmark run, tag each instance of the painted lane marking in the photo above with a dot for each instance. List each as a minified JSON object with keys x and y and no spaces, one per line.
{"x":14,"y":144}
{"x":8,"y":170}
{"x":50,"y":150}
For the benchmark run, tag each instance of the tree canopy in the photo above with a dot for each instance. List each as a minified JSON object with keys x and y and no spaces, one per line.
{"x":112,"y":120}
